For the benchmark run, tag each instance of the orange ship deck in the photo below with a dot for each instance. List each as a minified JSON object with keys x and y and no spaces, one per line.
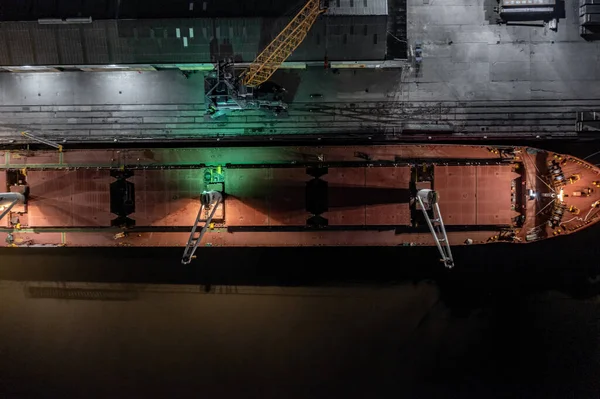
{"x":368,"y":195}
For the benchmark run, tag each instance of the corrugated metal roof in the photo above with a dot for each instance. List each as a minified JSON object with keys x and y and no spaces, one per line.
{"x":339,"y":38}
{"x":44,"y":45}
{"x":32,"y":10}
{"x":358,"y":7}
{"x":345,"y":39}
{"x":397,"y":40}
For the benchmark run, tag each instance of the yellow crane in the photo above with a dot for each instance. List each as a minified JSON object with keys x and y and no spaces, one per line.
{"x":225,"y":93}
{"x":288,"y":40}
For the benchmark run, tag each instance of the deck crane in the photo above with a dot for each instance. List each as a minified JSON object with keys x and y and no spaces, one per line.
{"x":42,"y":140}
{"x":225,"y":92}
{"x":209,"y":202}
{"x":8,"y":201}
{"x":428,"y":201}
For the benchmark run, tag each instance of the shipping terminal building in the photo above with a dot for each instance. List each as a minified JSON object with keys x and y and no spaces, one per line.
{"x":140,"y":79}
{"x":397,"y":69}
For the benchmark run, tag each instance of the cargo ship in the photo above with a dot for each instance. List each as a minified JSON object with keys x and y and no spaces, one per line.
{"x":294,"y":196}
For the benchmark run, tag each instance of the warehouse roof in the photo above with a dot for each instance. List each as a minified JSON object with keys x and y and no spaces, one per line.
{"x":32,"y":10}
{"x":199,"y":40}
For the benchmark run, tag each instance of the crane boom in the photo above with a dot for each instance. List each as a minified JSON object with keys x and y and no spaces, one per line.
{"x":8,"y":200}
{"x":269,"y":60}
{"x":209,"y":201}
{"x":428,"y":199}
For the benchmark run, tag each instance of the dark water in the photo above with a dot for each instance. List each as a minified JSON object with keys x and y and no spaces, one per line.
{"x":494,"y":333}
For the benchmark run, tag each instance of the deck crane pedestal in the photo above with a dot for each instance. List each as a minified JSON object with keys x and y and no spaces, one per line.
{"x":428,"y":200}
{"x":226,"y":92}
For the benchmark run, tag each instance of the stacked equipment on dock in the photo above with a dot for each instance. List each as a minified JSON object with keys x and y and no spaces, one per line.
{"x":589,"y":19}
{"x":517,"y":9}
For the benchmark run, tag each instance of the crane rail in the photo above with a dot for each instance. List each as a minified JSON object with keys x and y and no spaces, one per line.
{"x":98,"y":123}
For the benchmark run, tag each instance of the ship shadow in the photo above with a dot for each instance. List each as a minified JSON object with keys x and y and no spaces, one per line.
{"x":290,"y":199}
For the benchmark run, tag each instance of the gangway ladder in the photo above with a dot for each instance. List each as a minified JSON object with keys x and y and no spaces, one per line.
{"x":428,"y":199}
{"x":8,"y":200}
{"x":209,"y":202}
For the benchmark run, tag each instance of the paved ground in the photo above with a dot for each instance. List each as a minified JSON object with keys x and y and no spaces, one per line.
{"x":467,"y":58}
{"x":477,"y":79}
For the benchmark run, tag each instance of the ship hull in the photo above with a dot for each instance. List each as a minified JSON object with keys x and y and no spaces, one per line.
{"x":273,"y":197}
